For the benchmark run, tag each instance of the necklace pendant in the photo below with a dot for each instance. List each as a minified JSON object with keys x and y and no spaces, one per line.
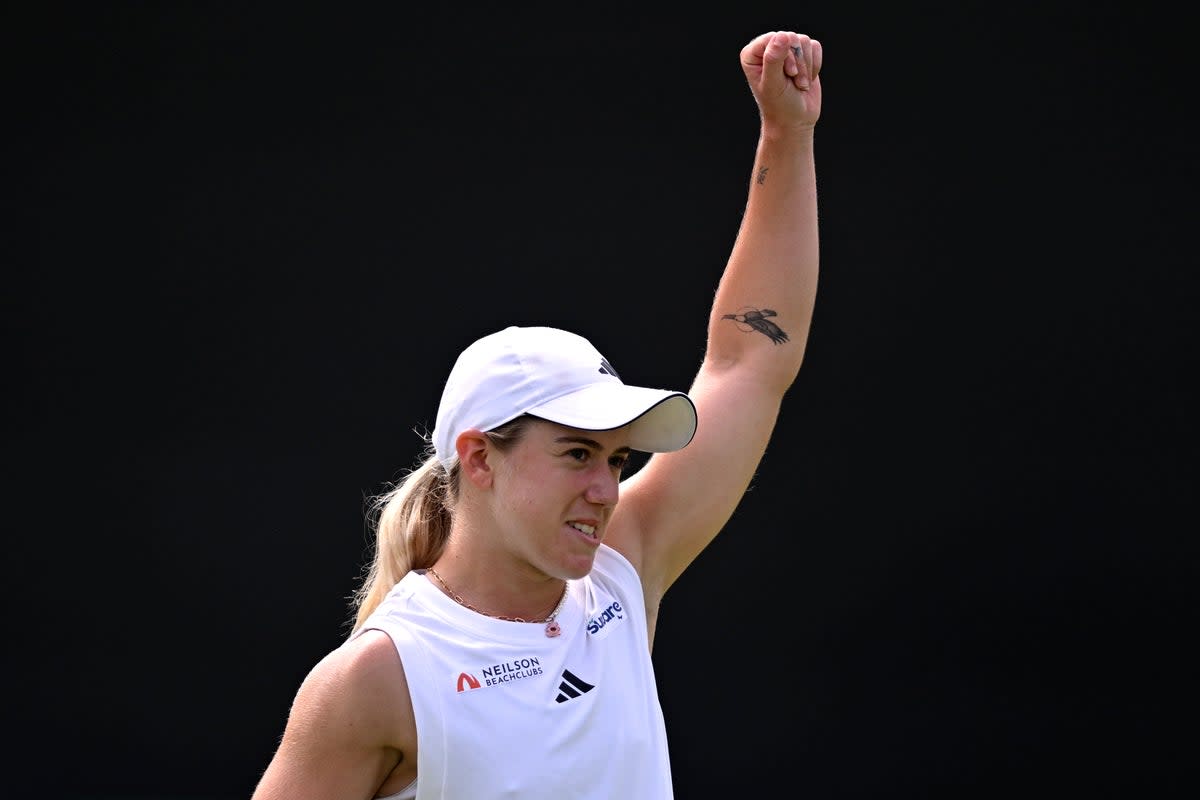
{"x":553,"y":628}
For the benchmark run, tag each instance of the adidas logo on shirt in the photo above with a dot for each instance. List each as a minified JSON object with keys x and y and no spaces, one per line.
{"x":572,"y":686}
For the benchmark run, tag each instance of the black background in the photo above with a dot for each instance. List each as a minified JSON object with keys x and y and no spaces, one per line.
{"x":244,"y":246}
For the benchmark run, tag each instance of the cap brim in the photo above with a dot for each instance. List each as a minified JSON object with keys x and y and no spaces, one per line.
{"x":661,"y":420}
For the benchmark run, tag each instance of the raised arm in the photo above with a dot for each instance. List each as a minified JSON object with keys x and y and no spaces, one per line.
{"x":757,"y":329}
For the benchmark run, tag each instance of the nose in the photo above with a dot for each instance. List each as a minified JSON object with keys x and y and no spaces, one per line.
{"x":603,"y":488}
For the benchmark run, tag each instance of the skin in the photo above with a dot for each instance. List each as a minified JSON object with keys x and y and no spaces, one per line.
{"x":351,"y":730}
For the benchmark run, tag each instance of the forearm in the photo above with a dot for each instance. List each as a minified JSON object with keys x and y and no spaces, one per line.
{"x":774,"y":263}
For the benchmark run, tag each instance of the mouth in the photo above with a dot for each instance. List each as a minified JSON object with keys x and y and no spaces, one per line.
{"x":588,"y":531}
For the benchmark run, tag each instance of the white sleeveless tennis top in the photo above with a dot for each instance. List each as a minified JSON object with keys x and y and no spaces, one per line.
{"x":503,"y":711}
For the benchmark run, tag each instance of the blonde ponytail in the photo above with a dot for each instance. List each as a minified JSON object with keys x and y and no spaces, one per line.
{"x":412,"y":523}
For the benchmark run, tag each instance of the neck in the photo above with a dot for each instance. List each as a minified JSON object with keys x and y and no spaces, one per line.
{"x":529,"y":598}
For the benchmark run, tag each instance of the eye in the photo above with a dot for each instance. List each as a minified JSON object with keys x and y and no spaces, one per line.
{"x":618,"y":462}
{"x":579,"y":453}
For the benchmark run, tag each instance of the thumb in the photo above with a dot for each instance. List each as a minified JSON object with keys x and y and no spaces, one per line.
{"x":752,"y":56}
{"x":776,"y":52}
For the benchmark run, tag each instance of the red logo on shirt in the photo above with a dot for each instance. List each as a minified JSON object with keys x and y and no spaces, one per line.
{"x":467,"y":681}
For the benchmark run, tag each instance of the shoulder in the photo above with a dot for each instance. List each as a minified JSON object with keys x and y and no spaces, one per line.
{"x":360,"y":688}
{"x":613,"y":565}
{"x":368,"y":656}
{"x":350,"y":729}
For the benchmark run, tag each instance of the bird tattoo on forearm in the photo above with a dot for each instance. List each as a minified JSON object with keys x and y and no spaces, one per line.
{"x":756,"y":319}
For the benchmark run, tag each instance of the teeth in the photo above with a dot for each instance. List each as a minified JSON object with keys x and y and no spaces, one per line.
{"x":579,"y":526}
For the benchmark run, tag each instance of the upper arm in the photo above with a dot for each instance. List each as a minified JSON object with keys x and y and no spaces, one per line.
{"x":350,"y":724}
{"x":672,"y":508}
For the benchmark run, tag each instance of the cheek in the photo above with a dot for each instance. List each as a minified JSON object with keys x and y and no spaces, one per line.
{"x":542,"y":494}
{"x":525,"y":501}
{"x":526,"y":491}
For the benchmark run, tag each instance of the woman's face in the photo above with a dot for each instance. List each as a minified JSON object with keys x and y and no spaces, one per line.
{"x":555,"y":492}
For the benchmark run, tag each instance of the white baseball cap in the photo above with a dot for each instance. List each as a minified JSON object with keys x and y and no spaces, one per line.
{"x":557,"y":376}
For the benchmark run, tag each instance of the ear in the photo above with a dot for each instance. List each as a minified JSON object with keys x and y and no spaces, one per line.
{"x":474,"y":450}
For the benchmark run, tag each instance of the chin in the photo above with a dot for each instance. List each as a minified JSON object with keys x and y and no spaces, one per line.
{"x":578,"y":568}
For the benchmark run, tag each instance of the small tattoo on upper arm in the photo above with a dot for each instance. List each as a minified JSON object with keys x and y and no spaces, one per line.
{"x":755,"y":319}
{"x":762,"y":175}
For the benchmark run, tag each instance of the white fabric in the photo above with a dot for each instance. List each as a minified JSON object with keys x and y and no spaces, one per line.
{"x":559,"y":376}
{"x":532,"y":729}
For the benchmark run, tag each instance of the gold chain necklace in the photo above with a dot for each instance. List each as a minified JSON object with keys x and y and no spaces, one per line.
{"x":552,"y":627}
